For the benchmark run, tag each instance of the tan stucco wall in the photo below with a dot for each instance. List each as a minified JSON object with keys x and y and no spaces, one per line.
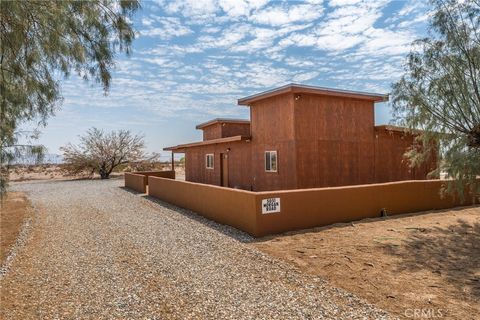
{"x":307,"y":208}
{"x":300,"y":209}
{"x":138,"y":181}
{"x":224,"y":205}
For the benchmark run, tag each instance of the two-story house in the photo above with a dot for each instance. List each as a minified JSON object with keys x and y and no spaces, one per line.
{"x":300,"y":137}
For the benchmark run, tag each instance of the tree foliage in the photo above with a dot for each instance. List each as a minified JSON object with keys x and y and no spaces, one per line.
{"x":101,"y":152}
{"x":440,"y":92}
{"x":44,"y":41}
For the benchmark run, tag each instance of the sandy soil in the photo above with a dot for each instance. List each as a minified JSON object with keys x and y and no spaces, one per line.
{"x":423,"y":263}
{"x":47,"y":172}
{"x":57,"y":172}
{"x":15,"y":209}
{"x":99,"y":251}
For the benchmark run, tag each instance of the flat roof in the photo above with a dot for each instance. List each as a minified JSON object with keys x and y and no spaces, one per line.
{"x":222,"y":120}
{"x":300,"y":88}
{"x":182,"y":147}
{"x":389,"y":127}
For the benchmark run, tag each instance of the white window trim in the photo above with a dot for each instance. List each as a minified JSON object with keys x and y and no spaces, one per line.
{"x":265,"y":162}
{"x":206,"y":161}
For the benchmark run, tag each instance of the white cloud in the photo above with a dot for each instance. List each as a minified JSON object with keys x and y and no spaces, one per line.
{"x":352,"y":27}
{"x":283,"y":15}
{"x":169,"y":27}
{"x":229,"y":37}
{"x":420,"y":18}
{"x":264,"y":38}
{"x":339,"y":3}
{"x":329,"y":42}
{"x":211,"y":29}
{"x":237,"y":8}
{"x":386,"y":42}
{"x":302,"y":77}
{"x":147,"y":21}
{"x":196,"y":57}
{"x":258,"y":11}
{"x":192,"y":8}
{"x":411,"y":7}
{"x":299,"y":62}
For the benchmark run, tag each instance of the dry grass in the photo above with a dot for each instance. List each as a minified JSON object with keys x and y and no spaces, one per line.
{"x":429,"y":262}
{"x":15,"y":209}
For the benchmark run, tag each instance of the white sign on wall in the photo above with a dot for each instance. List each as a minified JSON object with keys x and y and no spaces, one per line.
{"x":270,"y":205}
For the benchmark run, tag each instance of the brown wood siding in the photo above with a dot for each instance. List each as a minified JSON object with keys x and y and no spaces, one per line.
{"x":224,"y":130}
{"x":235,"y":129}
{"x":239,"y":164}
{"x":321,"y":141}
{"x":390,"y":164}
{"x":334,"y":141}
{"x":272,"y":127}
{"x":212,"y":132}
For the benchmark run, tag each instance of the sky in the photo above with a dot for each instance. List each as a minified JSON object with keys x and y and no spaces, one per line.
{"x":192,"y":60}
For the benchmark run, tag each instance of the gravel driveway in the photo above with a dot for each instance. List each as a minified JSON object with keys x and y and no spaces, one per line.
{"x":98,"y":251}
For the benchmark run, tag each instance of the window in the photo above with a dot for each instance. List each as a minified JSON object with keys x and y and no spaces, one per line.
{"x":209,"y":161}
{"x":271,"y":161}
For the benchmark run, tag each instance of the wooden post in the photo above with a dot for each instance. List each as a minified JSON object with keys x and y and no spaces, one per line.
{"x":173,"y":162}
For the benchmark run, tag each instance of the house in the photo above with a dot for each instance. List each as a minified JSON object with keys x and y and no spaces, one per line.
{"x":300,"y":137}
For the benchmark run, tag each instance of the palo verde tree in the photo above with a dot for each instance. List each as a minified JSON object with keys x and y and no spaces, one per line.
{"x":102,"y":152}
{"x":440,"y":93}
{"x":43,"y":41}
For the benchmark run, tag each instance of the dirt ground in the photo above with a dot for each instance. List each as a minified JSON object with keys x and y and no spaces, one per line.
{"x":47,"y":172}
{"x":15,"y":209}
{"x":97,"y":251}
{"x":58,"y":172}
{"x":415,"y":266}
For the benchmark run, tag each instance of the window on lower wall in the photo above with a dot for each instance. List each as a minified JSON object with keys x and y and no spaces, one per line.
{"x":271,"y":161}
{"x":209,"y":161}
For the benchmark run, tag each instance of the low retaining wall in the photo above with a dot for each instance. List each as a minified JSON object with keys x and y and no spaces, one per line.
{"x":301,"y":209}
{"x":263,"y":213}
{"x":138,"y":181}
{"x":232,"y":207}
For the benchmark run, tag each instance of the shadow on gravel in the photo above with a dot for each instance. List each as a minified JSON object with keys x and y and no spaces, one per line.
{"x":224,"y":229}
{"x":350,"y":224}
{"x":452,"y":252}
{"x":131,"y":191}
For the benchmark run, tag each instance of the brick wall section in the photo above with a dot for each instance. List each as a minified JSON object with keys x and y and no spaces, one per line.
{"x":301,"y":209}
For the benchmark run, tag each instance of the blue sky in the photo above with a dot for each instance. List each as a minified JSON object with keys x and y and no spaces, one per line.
{"x":193,"y":59}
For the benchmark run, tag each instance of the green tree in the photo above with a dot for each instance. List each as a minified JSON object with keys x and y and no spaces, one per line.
{"x":102,"y":152}
{"x":440,"y":93}
{"x":45,"y":41}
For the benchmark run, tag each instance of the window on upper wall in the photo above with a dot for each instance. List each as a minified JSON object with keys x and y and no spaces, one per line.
{"x":271,"y":161}
{"x":209,"y":161}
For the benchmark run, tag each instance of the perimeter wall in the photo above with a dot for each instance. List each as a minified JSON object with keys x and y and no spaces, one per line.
{"x":300,"y":209}
{"x":138,"y":181}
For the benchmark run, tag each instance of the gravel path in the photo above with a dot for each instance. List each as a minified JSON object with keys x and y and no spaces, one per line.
{"x":98,"y":251}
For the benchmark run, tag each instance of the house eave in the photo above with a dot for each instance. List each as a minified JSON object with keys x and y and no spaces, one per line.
{"x":182,"y":147}
{"x":222,"y":120}
{"x":298,"y":88}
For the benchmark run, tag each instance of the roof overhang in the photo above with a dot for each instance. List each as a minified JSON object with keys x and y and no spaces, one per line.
{"x":222,"y":120}
{"x":404,"y":130}
{"x":182,"y":147}
{"x":298,"y":88}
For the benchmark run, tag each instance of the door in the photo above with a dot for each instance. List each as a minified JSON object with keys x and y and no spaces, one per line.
{"x":224,"y":169}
